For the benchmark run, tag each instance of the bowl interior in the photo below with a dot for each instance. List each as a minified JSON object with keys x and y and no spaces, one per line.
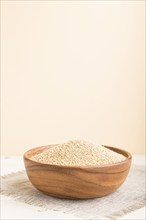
{"x":41,"y":149}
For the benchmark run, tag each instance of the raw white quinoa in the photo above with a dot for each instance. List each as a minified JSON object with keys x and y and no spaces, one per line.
{"x":78,"y":153}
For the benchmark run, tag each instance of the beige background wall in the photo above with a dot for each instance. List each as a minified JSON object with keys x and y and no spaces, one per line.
{"x":72,"y":70}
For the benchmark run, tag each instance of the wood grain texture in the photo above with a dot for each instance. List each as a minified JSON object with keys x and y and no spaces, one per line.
{"x":76,"y":182}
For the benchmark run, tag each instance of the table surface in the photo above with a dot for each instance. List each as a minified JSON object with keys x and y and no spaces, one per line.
{"x":11,"y":209}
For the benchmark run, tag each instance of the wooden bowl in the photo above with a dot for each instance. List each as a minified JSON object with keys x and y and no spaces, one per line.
{"x":76,"y":182}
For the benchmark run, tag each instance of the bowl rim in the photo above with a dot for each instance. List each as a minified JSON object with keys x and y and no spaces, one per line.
{"x":115,"y":149}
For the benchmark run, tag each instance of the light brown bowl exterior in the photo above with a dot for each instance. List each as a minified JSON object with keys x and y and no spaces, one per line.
{"x":76,"y":182}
